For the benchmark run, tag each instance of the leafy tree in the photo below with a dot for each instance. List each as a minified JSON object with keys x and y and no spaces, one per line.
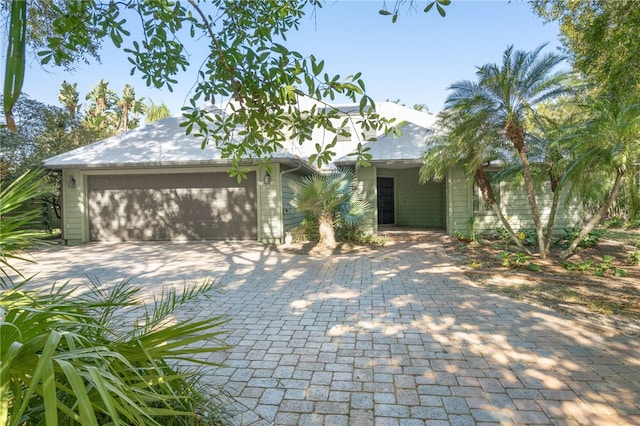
{"x":602,"y":144}
{"x":600,"y":38}
{"x":509,"y":93}
{"x":155,"y":112}
{"x":249,"y":65}
{"x":330,"y":198}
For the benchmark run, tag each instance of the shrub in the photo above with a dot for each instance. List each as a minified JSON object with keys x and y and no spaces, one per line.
{"x":103,"y":357}
{"x":591,"y":240}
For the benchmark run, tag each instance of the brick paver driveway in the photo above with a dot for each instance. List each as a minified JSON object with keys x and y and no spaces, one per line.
{"x":392,"y":336}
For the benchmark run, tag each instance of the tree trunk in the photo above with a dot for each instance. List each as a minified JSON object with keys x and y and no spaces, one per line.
{"x":489,"y":197}
{"x":552,"y":218}
{"x":595,"y":220}
{"x":515,"y":133}
{"x":326,"y":231}
{"x":510,"y":231}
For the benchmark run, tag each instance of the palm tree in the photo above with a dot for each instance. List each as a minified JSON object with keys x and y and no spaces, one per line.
{"x":330,"y":198}
{"x":70,"y":98}
{"x":466,"y":139}
{"x":129,"y":104}
{"x":603,"y":146}
{"x":509,"y":94}
{"x":155,"y":112}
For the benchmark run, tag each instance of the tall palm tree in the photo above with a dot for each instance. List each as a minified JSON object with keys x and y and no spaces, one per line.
{"x":602,"y":147}
{"x":464,"y":138}
{"x":129,"y":104}
{"x":70,"y":98}
{"x":509,"y":94}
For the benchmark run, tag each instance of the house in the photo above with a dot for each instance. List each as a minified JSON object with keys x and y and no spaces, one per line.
{"x":156,"y":183}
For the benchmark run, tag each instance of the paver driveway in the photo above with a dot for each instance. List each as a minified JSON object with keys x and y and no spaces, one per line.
{"x":392,"y":336}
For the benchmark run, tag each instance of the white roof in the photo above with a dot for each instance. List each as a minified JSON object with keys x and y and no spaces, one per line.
{"x":165,"y":143}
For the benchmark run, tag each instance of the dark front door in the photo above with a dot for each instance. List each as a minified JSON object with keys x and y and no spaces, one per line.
{"x":386,"y":214}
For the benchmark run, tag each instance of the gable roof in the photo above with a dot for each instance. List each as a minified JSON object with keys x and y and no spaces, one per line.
{"x":407,"y":148}
{"x":165,"y":143}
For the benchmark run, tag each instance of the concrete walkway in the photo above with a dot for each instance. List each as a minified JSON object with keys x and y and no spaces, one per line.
{"x":395,"y":336}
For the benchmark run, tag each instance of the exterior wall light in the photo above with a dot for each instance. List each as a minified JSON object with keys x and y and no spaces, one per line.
{"x":267,"y":179}
{"x":72,"y":182}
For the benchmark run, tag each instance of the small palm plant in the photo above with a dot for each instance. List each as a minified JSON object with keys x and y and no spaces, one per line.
{"x":329,"y":199}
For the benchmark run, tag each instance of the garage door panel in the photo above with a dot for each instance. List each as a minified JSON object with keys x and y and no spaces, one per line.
{"x":172,"y":207}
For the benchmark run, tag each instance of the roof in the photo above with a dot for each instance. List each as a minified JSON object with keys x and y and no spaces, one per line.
{"x":407,"y":148}
{"x":165,"y":143}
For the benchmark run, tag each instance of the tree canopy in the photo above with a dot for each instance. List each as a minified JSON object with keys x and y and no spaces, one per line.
{"x":248,"y":65}
{"x":601,"y":38}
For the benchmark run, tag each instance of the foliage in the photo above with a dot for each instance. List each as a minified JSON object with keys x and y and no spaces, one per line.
{"x":155,"y":112}
{"x":17,"y":221}
{"x":505,"y":97}
{"x":328,"y":199}
{"x":614,"y":222}
{"x":15,"y":62}
{"x":590,"y":240}
{"x":264,"y":85}
{"x":600,"y":37}
{"x":514,"y":260}
{"x":634,"y":257}
{"x":599,"y":269}
{"x":101,"y":356}
{"x":604,"y":147}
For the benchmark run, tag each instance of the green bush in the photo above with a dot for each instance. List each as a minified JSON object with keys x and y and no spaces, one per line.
{"x":98,"y":357}
{"x":591,"y":240}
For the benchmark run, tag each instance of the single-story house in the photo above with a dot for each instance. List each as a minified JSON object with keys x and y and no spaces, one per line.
{"x":157,"y":183}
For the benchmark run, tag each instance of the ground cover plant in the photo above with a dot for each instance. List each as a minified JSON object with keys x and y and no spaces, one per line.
{"x":599,"y":284}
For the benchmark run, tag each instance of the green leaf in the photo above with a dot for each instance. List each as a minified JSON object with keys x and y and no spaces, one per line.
{"x":444,"y":2}
{"x":429,"y":7}
{"x":384,"y":12}
{"x":441,"y":10}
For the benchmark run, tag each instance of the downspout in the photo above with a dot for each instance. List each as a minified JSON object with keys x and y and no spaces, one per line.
{"x":283,"y":237}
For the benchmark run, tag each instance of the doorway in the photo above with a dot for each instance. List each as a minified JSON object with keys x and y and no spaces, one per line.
{"x":386,"y":201}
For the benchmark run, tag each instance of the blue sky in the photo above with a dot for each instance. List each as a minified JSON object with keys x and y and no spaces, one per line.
{"x":413,"y":60}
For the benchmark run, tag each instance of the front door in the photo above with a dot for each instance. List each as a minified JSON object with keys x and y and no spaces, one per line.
{"x":386,"y":212}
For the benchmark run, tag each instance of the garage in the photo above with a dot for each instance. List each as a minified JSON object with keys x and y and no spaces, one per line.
{"x":171,"y":207}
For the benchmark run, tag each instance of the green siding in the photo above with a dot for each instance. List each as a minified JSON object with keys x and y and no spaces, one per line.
{"x":366,"y":177}
{"x":513,"y":202}
{"x":290,"y":216}
{"x":459,"y":202}
{"x":416,"y":204}
{"x":515,"y":206}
